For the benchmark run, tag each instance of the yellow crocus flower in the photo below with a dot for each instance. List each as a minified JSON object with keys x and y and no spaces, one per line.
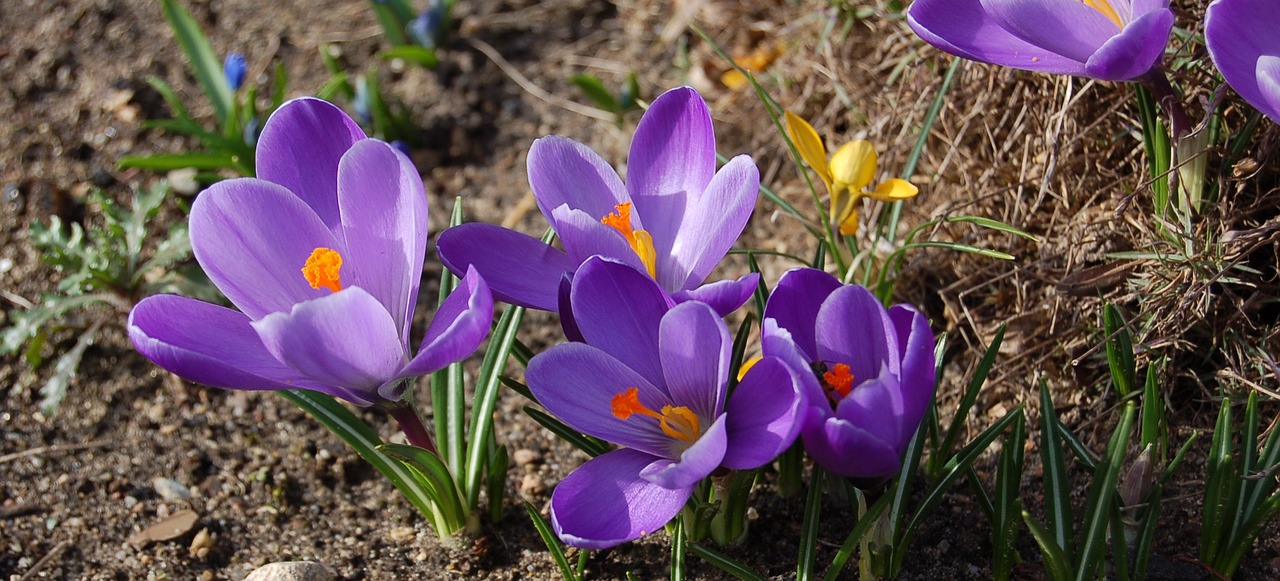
{"x":847,"y":175}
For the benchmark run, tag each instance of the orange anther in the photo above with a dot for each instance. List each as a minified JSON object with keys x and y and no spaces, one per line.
{"x":839,"y":379}
{"x":321,"y":269}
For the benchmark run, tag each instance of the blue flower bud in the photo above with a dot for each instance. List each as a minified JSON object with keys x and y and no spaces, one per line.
{"x":361,"y":102}
{"x":425,"y":29}
{"x":234,"y":69}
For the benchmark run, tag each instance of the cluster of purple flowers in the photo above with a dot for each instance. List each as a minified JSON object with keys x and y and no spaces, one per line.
{"x":1109,"y":40}
{"x":322,"y":255}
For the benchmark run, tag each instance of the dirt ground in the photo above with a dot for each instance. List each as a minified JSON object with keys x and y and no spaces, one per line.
{"x":269,"y":484}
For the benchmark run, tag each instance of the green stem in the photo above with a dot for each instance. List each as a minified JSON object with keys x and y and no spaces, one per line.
{"x":1156,"y":82}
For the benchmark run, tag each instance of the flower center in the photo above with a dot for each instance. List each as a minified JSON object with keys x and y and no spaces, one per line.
{"x":678,"y":422}
{"x":321,"y":269}
{"x":1104,"y":6}
{"x":837,"y":381}
{"x":639,"y":240}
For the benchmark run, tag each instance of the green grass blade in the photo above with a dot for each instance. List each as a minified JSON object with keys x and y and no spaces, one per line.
{"x":1093,"y":535}
{"x":958,"y":247}
{"x":1248,"y":464}
{"x":677,"y":550}
{"x":486,"y":397}
{"x":172,"y":161}
{"x":552,"y":543}
{"x":1218,"y":483}
{"x":591,"y":446}
{"x":1119,"y":548}
{"x":1007,"y":505}
{"x":902,"y":490}
{"x":204,"y":62}
{"x":1119,"y":349}
{"x":1057,"y":486}
{"x":1083,"y":455}
{"x":439,"y":479}
{"x":809,"y":528}
{"x":499,"y":461}
{"x":860,"y":529}
{"x":1146,"y":533}
{"x":1153,"y":423}
{"x":1057,"y":565}
{"x":724,"y":563}
{"x":970,"y":395}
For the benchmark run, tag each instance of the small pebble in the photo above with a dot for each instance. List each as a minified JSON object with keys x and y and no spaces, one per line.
{"x":525,"y":456}
{"x":532,"y":484}
{"x":183,"y":181}
{"x":201,"y":544}
{"x":170,"y":490}
{"x":401,"y":534}
{"x":291,"y":571}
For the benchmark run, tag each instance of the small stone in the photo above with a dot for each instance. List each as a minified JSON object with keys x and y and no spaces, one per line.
{"x":532,"y":484}
{"x":201,"y":544}
{"x":170,"y":490}
{"x":525,"y":456}
{"x":183,"y":181}
{"x":291,"y":571}
{"x":944,"y":546}
{"x":401,"y":534}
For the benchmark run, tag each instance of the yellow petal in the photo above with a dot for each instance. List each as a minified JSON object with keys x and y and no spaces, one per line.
{"x":747,"y":365}
{"x":733,"y":79}
{"x":843,"y":208}
{"x":849,"y":223}
{"x":809,"y":145}
{"x":894,"y":190}
{"x":854,"y":165}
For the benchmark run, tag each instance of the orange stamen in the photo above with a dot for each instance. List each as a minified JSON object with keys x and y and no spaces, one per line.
{"x":678,"y":422}
{"x":321,"y":269}
{"x":839,"y":379}
{"x":639,"y":240}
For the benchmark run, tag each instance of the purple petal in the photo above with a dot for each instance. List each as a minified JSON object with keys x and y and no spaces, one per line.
{"x":565,"y":172}
{"x":723,"y":296}
{"x":457,"y":329}
{"x":674,"y":147}
{"x":214,"y":346}
{"x":795,"y":302}
{"x":584,"y":237}
{"x":605,"y":503}
{"x":695,"y":462}
{"x":346,"y":339}
{"x":577,"y":383}
{"x":918,"y":376}
{"x":1133,"y":52}
{"x":383,"y":210}
{"x":876,"y":406}
{"x":849,"y":451}
{"x":695,"y":348}
{"x":300,"y":147}
{"x":252,"y":238}
{"x":1239,"y":33}
{"x":518,"y":268}
{"x":711,"y":225}
{"x":567,"y":322}
{"x":854,"y":329}
{"x":764,"y":414}
{"x":1071,"y":29}
{"x":964,"y":28}
{"x":619,"y":310}
{"x":777,"y":342}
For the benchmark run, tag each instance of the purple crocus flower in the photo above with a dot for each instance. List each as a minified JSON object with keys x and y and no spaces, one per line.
{"x":1242,"y":40}
{"x":323,"y":256}
{"x":675,"y":217}
{"x":1110,"y":40}
{"x":870,"y":372}
{"x":652,"y":377}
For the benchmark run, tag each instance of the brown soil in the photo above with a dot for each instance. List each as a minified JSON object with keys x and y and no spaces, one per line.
{"x":269,"y":484}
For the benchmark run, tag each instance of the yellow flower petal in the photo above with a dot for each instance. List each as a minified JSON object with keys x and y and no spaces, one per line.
{"x":848,"y":224}
{"x":894,"y":190}
{"x":809,"y":144}
{"x":854,"y":165}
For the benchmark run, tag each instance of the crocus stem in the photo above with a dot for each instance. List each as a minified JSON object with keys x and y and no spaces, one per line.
{"x":1156,"y":82}
{"x":411,"y":424}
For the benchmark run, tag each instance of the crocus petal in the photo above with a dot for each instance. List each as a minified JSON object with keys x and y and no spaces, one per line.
{"x":917,"y":379}
{"x":695,"y":462}
{"x":619,"y":310}
{"x":964,"y":28}
{"x":711,"y":226}
{"x":777,"y":342}
{"x":1072,"y":29}
{"x":565,"y":172}
{"x":854,"y":165}
{"x":577,"y":383}
{"x":300,"y":147}
{"x":844,"y":449}
{"x":567,"y":323}
{"x":215,"y":346}
{"x":1134,"y":51}
{"x":518,"y":268}
{"x":674,"y":147}
{"x":346,"y":338}
{"x":383,"y":209}
{"x":794,"y":304}
{"x":809,"y":144}
{"x":764,"y":415}
{"x":723,"y":296}
{"x":252,"y":238}
{"x":457,"y":329}
{"x":876,"y":406}
{"x":605,"y":503}
{"x":894,"y":190}
{"x":854,"y":329}
{"x":584,"y":236}
{"x":695,"y":348}
{"x":1240,"y":35}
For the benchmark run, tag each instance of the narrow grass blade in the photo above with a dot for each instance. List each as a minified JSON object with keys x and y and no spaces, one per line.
{"x":552,"y":543}
{"x":1153,"y":423}
{"x":1146,"y":534}
{"x":1057,"y":486}
{"x":859,"y":530}
{"x":1057,"y":565}
{"x":393,"y":15}
{"x":437,"y":475}
{"x":497,"y":481}
{"x":1119,"y":548}
{"x":591,"y":446}
{"x":1083,"y":455}
{"x":1248,"y":460}
{"x":448,"y":393}
{"x":204,"y":62}
{"x":980,"y":493}
{"x":486,"y":397}
{"x":1093,"y":535}
{"x":761,"y":294}
{"x":902,"y":487}
{"x":724,"y":563}
{"x":364,"y":441}
{"x":809,"y":528}
{"x":1007,"y":505}
{"x":677,"y":550}
{"x":958,"y":247}
{"x":418,"y":55}
{"x":171,"y":161}
{"x":1119,"y":349}
{"x":1217,"y":490}
{"x":970,"y":395}
{"x":1155,"y":139}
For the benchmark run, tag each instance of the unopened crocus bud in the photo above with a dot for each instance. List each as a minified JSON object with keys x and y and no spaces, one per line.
{"x":425,"y":29}
{"x":234,"y":69}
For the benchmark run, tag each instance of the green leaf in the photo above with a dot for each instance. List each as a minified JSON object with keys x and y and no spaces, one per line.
{"x":1218,"y":508}
{"x":677,"y":550}
{"x":435,"y":475}
{"x":488,"y":384}
{"x":809,"y":528}
{"x":970,"y":395}
{"x":1093,"y":537}
{"x":864,"y":524}
{"x":393,"y":16}
{"x":55,"y":390}
{"x":413,"y":53}
{"x":553,"y":544}
{"x":1153,"y":422}
{"x":724,"y":563}
{"x":1007,"y":505}
{"x":1119,"y":349}
{"x":591,"y":446}
{"x":171,"y":161}
{"x":1057,"y":486}
{"x":1056,"y":562}
{"x":958,"y":247}
{"x":204,"y":62}
{"x":595,"y":90}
